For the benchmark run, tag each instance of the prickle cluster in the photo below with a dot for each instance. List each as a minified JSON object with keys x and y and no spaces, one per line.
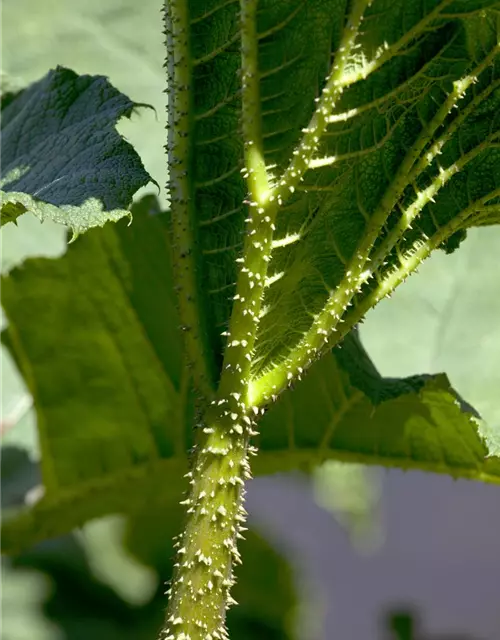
{"x":207,"y":550}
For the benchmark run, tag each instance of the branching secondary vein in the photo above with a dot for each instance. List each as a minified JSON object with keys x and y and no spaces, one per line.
{"x":359,"y":270}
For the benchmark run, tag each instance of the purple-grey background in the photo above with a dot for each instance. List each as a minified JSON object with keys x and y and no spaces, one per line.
{"x":441,"y":554}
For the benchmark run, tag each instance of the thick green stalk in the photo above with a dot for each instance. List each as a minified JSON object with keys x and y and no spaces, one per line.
{"x":207,"y":549}
{"x":203,"y":574}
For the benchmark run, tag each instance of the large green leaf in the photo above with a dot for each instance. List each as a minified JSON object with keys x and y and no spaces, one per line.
{"x":115,"y":409}
{"x":413,"y":134}
{"x":73,"y":33}
{"x":62,"y":158}
{"x":118,"y":39}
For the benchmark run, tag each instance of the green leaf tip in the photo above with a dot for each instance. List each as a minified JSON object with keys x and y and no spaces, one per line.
{"x":62,"y":158}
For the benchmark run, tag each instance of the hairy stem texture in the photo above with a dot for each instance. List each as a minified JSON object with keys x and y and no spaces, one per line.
{"x":200,"y":592}
{"x":199,"y":595}
{"x":207,"y":549}
{"x":179,"y":150}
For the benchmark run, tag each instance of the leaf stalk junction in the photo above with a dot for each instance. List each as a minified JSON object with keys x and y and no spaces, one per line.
{"x":207,"y":549}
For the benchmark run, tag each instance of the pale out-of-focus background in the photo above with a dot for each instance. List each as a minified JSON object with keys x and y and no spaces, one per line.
{"x":381,"y":540}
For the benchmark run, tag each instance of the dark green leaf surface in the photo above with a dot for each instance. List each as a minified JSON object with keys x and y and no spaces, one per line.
{"x":414,"y":57}
{"x":62,"y":158}
{"x":118,"y":39}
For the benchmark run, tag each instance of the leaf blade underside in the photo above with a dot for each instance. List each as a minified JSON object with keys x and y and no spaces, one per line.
{"x":421,"y":91}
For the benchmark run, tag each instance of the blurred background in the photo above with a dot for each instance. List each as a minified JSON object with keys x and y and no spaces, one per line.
{"x":349,"y":553}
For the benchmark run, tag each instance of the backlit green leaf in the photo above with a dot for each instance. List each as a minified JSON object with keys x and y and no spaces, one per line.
{"x":344,"y":409}
{"x":97,"y":339}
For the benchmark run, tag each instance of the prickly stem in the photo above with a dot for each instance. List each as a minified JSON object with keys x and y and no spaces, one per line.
{"x":200,"y":592}
{"x":207,"y":551}
{"x":203,"y":576}
{"x":260,"y":227}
